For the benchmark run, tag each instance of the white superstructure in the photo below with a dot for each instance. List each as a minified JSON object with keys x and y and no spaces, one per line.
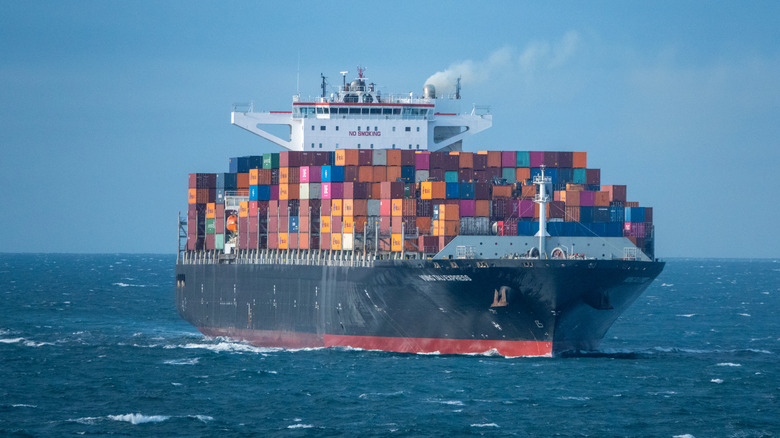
{"x":360,"y":117}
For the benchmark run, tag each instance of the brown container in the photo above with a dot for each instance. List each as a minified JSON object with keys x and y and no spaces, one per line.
{"x":423,"y":224}
{"x":380,"y":174}
{"x":351,"y":174}
{"x":616,"y":192}
{"x":556,"y":209}
{"x":593,"y":176}
{"x":465,"y":160}
{"x":523,"y":173}
{"x":365,"y":174}
{"x":242,"y":180}
{"x":393,"y":172}
{"x":571,"y":198}
{"x":579,"y":160}
{"x":502,"y":192}
{"x":365,"y":157}
{"x":433,"y":190}
{"x":601,"y":199}
{"x":360,"y":223}
{"x":391,"y":190}
{"x":394,"y":157}
{"x":482,"y":208}
{"x":572,"y":214}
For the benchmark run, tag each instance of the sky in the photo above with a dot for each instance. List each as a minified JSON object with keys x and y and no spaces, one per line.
{"x":106,"y":106}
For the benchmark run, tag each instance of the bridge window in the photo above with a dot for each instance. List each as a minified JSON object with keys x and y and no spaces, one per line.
{"x":337,"y":127}
{"x":418,"y":129}
{"x":408,"y":129}
{"x":312,"y":127}
{"x":372,"y":145}
{"x":312,"y":145}
{"x":376,"y":129}
{"x":320,"y":145}
{"x":358,"y":128}
{"x":322,"y":128}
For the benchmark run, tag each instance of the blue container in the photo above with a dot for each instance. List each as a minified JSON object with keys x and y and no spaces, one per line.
{"x":601,"y":214}
{"x":293,"y":224}
{"x":528,"y":228}
{"x":242,"y":164}
{"x":586,"y":214}
{"x":556,"y":228}
{"x":616,"y":215}
{"x":332,"y":174}
{"x":551,"y":172}
{"x":453,"y":190}
{"x":407,"y":174}
{"x":635,"y":214}
{"x":253,"y":193}
{"x":436,"y":212}
{"x":255,"y":162}
{"x":263,"y":192}
{"x":220,"y":196}
{"x":451,"y":176}
{"x":565,"y":175}
{"x":233,"y":164}
{"x":466,"y":190}
{"x":326,"y":174}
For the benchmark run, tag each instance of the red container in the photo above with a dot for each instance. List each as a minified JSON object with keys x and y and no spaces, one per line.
{"x":616,"y":192}
{"x":408,"y":158}
{"x":428,"y":244}
{"x":525,"y":208}
{"x":289,"y":159}
{"x":556,"y":209}
{"x":385,"y":207}
{"x":273,"y":240}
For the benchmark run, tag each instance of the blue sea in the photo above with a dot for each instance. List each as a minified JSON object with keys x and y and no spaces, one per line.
{"x":92,"y":345}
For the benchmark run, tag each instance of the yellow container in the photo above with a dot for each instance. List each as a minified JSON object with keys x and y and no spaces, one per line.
{"x":397,"y":243}
{"x":324,"y":224}
{"x":348,"y":225}
{"x":336,"y":207}
{"x":284,"y":241}
{"x":335,"y":241}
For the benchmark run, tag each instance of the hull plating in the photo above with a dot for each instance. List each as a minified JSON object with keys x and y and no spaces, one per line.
{"x":513,"y":307}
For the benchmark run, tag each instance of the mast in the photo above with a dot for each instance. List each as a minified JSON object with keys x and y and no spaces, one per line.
{"x":542,"y":198}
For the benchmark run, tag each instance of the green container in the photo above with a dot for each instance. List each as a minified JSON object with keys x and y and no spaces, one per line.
{"x":408,"y":191}
{"x":211,"y":226}
{"x":509,"y":174}
{"x":580,"y":176}
{"x":219,"y":241}
{"x":523,"y":159}
{"x":451,"y":176}
{"x":271,"y":161}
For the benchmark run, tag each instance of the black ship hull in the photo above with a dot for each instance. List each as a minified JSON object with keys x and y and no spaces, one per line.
{"x":512,"y":307}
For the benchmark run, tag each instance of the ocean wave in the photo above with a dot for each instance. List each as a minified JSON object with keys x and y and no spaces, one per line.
{"x":229,"y":347}
{"x":728,"y":364}
{"x":687,"y":435}
{"x":120,"y":284}
{"x":26,"y":342}
{"x":716,"y":380}
{"x":688,"y":315}
{"x":139,"y":418}
{"x":203,"y":418}
{"x":300,"y":426}
{"x":484,"y":425}
{"x":192,"y":361}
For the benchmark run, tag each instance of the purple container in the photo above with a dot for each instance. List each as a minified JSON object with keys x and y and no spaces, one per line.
{"x":337,"y":190}
{"x":550,"y":159}
{"x":315,"y":174}
{"x":565,"y":159}
{"x":587,"y":198}
{"x":274,"y":192}
{"x":450,"y":163}
{"x":526,"y":208}
{"x":537,"y":158}
{"x":480,"y":162}
{"x":593,"y":176}
{"x":508,"y":159}
{"x":481,"y":190}
{"x":468,"y":208}
{"x":422,"y":161}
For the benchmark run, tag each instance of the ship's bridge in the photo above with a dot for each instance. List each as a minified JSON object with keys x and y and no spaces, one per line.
{"x":358,"y":116}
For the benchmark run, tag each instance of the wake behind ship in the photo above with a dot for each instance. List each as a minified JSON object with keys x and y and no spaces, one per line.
{"x":376,"y":231}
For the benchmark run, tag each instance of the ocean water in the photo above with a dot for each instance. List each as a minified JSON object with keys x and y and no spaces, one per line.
{"x":92,"y":345}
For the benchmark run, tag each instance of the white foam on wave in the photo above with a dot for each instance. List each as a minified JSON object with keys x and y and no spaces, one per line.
{"x":24,"y":405}
{"x":203,"y":418}
{"x":667,"y":285}
{"x":230,"y":347}
{"x":744,"y":314}
{"x":574,"y":398}
{"x":728,"y":364}
{"x":120,"y":284}
{"x":687,"y":435}
{"x":11,"y":340}
{"x":26,"y":342}
{"x":716,"y":380}
{"x":484,"y":425}
{"x":687,"y":315}
{"x":452,"y":402}
{"x":192,"y":361}
{"x":139,"y":418}
{"x":300,"y":426}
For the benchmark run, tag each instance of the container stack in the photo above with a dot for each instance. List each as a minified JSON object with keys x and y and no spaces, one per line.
{"x":405,"y":200}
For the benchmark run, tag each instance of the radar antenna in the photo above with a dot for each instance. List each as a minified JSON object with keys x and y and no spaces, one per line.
{"x":344,"y":80}
{"x":323,"y":84}
{"x":457,"y":89}
{"x":360,"y":71}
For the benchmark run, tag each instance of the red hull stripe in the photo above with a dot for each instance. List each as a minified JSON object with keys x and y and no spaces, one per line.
{"x":282,"y":339}
{"x":443,"y":346}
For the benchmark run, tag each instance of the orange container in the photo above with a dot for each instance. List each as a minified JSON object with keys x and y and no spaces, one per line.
{"x":366,"y":174}
{"x":242,"y":180}
{"x":336,"y":207}
{"x":284,"y":191}
{"x":254,"y":177}
{"x":502,"y":192}
{"x":523,"y":173}
{"x":324,"y":224}
{"x":303,"y":240}
{"x":349,"y":207}
{"x":192,"y":196}
{"x":380,"y":173}
{"x":284,"y":241}
{"x":572,"y":214}
{"x":347,"y":157}
{"x":397,"y":244}
{"x":360,"y":223}
{"x":577,"y":187}
{"x":393,"y":172}
{"x":211,"y":210}
{"x":449,"y":228}
{"x":335,"y":241}
{"x":433,"y":190}
{"x":449,"y":212}
{"x":284,"y":175}
{"x":348,"y":225}
{"x":394,"y":157}
{"x":580,"y":160}
{"x":243,"y":209}
{"x":528,"y":192}
{"x":465,"y":160}
{"x":397,"y":207}
{"x":494,"y":159}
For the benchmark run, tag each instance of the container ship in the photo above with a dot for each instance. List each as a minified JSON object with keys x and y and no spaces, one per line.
{"x":374,"y":230}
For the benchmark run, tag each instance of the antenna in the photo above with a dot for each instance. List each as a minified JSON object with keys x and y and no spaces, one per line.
{"x":323,"y":84}
{"x":457,"y":89}
{"x":360,"y":71}
{"x":344,"y":79}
